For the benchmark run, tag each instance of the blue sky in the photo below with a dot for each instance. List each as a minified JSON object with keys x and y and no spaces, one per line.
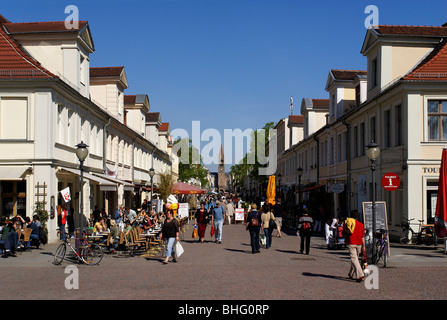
{"x":228,"y":63}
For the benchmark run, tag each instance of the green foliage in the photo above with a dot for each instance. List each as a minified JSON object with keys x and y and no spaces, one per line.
{"x":43,"y":216}
{"x":246,"y":167}
{"x":190,"y":165}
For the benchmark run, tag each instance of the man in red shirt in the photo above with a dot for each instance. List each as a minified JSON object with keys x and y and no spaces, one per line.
{"x":356,"y":243}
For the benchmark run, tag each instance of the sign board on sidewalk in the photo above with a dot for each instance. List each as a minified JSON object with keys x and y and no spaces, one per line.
{"x":183,"y":210}
{"x":239,"y":214}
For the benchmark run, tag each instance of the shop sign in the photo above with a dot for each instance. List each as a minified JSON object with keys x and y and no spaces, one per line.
{"x":337,"y":188}
{"x":390,"y":181}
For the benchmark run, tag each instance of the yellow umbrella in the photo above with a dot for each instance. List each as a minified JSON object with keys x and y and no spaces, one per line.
{"x":271,"y":190}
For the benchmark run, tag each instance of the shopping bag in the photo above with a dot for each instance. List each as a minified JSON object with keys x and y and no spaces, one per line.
{"x":212,"y":230}
{"x":178,"y":249}
{"x":263,"y":239}
{"x":194,"y":233}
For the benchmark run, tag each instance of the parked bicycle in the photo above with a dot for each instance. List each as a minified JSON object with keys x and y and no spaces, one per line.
{"x":425,"y":235}
{"x":381,"y":252}
{"x":88,"y":253}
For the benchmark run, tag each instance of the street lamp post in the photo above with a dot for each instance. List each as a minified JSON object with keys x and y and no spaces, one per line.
{"x":299,"y":171}
{"x":152,"y":173}
{"x":373,"y":152}
{"x":81,"y":153}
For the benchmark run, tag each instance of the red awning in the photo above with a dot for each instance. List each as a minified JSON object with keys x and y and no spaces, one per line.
{"x":441,"y":204}
{"x":184,"y":188}
{"x":312,"y":188}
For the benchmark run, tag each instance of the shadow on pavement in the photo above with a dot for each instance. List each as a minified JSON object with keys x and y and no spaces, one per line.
{"x":309,"y":274}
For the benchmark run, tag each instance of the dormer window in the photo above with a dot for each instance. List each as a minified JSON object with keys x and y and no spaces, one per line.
{"x":374,"y":76}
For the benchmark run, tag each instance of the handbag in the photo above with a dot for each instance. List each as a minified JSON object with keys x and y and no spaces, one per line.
{"x":194,"y":232}
{"x":212,"y":230}
{"x":178,"y":249}
{"x":272,"y":223}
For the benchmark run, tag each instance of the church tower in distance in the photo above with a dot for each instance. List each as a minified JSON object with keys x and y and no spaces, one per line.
{"x":222,"y":179}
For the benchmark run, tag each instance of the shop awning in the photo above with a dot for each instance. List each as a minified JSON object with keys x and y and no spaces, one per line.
{"x":13,"y":173}
{"x":312,"y":188}
{"x":127,"y":185}
{"x":104,"y":185}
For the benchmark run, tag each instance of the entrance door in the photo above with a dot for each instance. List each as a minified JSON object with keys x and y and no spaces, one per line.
{"x":432,"y":196}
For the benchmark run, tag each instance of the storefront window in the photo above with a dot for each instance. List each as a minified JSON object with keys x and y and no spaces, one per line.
{"x":13,"y":198}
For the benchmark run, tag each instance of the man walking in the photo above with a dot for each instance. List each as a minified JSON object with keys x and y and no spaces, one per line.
{"x":229,"y":211}
{"x":356,"y":244}
{"x":217,"y":219}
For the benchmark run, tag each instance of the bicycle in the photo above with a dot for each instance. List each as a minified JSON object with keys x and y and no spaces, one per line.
{"x":425,"y":234}
{"x":381,"y":252}
{"x":88,"y":253}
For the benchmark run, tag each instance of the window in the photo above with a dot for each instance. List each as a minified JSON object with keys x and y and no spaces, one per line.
{"x":437,"y":120}
{"x":331,"y":151}
{"x":398,"y":134}
{"x":372,"y":124}
{"x":339,"y":147}
{"x":374,"y":80}
{"x":356,"y":142}
{"x":387,"y":133}
{"x":13,"y":118}
{"x":362,"y":139}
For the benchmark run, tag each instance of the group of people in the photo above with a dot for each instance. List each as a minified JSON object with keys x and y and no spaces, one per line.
{"x":12,"y":234}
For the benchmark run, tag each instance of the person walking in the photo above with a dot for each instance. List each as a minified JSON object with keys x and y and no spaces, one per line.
{"x":266,"y":215}
{"x":170,"y":232}
{"x":305,"y":230}
{"x":356,"y":245}
{"x":201,"y":220}
{"x":253,"y":225}
{"x":217,"y":219}
{"x":278,"y":211}
{"x":229,"y":211}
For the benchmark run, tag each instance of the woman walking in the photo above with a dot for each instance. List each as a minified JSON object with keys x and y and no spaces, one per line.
{"x":201,"y":220}
{"x":169,"y":232}
{"x":253,"y":226}
{"x":266,"y":215}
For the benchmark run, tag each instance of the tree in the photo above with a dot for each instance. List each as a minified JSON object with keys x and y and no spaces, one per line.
{"x":246,"y":167}
{"x":165,"y":185}
{"x":190,"y":165}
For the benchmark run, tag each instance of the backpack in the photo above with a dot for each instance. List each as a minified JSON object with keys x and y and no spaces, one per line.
{"x":43,"y":236}
{"x":348,"y":226}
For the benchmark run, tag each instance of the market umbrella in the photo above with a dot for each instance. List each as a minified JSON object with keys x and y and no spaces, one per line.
{"x":184,"y":188}
{"x":271,"y":190}
{"x":441,"y":202}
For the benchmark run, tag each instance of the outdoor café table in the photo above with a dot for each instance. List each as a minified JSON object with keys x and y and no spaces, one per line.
{"x":148,"y":235}
{"x":98,"y":237}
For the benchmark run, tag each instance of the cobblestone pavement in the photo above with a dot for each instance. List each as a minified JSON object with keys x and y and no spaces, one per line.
{"x":229,"y":271}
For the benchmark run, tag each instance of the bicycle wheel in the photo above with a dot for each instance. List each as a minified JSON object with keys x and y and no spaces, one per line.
{"x":385,"y":253}
{"x":408,"y":235}
{"x":60,"y":254}
{"x":91,"y":254}
{"x":378,"y":253}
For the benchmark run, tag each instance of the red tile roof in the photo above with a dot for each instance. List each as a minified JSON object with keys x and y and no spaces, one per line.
{"x":412,"y":30}
{"x":320,"y":103}
{"x":106,"y":71}
{"x":296,"y":119}
{"x":15,"y":63}
{"x":433,"y":67}
{"x":164,"y":126}
{"x":347,"y":74}
{"x":38,"y":27}
{"x":130,"y":98}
